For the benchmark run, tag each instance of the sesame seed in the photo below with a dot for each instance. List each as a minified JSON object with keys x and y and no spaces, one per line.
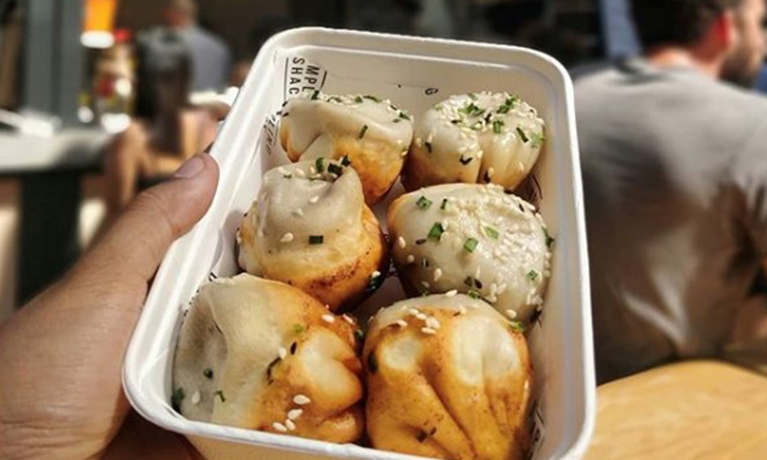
{"x":301,"y":400}
{"x":282,"y":352}
{"x":403,"y":154}
{"x":327,"y":307}
{"x":295,"y":413}
{"x":196,"y":398}
{"x":418,"y":142}
{"x":401,"y":323}
{"x":437,"y":274}
{"x":511,"y":314}
{"x":413,"y":312}
{"x":477,"y":273}
{"x":462,"y":310}
{"x":300,"y":173}
{"x":401,"y":242}
{"x":282,"y":170}
{"x":286,"y":238}
{"x":375,"y":274}
{"x":421,"y":316}
{"x":452,"y":293}
{"x":348,"y":319}
{"x":411,"y":259}
{"x":432,"y":323}
{"x":312,"y":170}
{"x":260,"y":233}
{"x":279,"y":427}
{"x":428,"y":331}
{"x":490,"y":172}
{"x":425,"y":284}
{"x":314,"y":199}
{"x":290,"y":425}
{"x":521,"y":166}
{"x":298,"y":212}
{"x":328,"y":318}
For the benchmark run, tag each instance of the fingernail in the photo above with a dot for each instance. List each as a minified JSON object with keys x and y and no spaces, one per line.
{"x":190,"y":168}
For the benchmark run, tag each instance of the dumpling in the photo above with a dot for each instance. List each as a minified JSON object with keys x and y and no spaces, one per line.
{"x":448,"y":377}
{"x":310,"y":228}
{"x":373,"y":134}
{"x":475,"y":239}
{"x":475,"y":138}
{"x":262,"y":355}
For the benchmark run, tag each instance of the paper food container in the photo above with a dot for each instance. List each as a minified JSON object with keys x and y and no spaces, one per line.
{"x":415,"y":73}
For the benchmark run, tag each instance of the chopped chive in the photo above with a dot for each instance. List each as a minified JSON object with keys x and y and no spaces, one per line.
{"x":176,"y":398}
{"x":285,"y":114}
{"x":319,"y":163}
{"x":287,"y":176}
{"x":372,"y":98}
{"x":498,"y":126}
{"x":404,"y":115}
{"x":471,"y":244}
{"x":363,"y":131}
{"x":522,"y":135}
{"x":474,"y":294}
{"x":420,"y":241}
{"x":518,"y":327}
{"x":472,"y":282}
{"x":549,"y":239}
{"x":538,"y":139}
{"x":456,"y":121}
{"x":345,"y":161}
{"x":472,"y":110}
{"x":315,"y":94}
{"x":428,"y":146}
{"x":375,"y":282}
{"x":491,"y":232}
{"x":465,"y":161}
{"x":299,"y":329}
{"x":444,"y":204}
{"x":335,"y":169}
{"x":220,"y":394}
{"x":208,"y":373}
{"x":436,"y":232}
{"x":358,"y":99}
{"x":423,"y":203}
{"x":532,"y":275}
{"x":472,"y":96}
{"x":316,"y":239}
{"x":372,"y":363}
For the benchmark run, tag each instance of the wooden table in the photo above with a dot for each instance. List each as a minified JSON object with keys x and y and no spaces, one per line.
{"x":700,"y":410}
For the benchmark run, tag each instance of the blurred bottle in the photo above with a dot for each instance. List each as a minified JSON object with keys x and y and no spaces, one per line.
{"x":114,"y":83}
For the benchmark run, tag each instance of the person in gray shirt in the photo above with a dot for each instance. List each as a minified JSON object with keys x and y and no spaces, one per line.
{"x":674,"y":165}
{"x":211,"y":58}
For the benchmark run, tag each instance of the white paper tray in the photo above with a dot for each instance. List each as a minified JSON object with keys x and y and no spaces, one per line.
{"x":415,"y":73}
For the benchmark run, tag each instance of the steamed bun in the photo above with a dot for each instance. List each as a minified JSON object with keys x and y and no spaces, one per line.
{"x":475,"y":138}
{"x":310,"y":228}
{"x":475,"y":239}
{"x":372,"y":133}
{"x":448,"y":377}
{"x":262,"y":355}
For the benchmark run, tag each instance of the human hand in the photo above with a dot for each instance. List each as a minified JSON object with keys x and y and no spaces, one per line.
{"x":61,"y":355}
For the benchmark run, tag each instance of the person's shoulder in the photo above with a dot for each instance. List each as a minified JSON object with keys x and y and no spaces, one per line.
{"x":210,"y":39}
{"x":745,"y":99}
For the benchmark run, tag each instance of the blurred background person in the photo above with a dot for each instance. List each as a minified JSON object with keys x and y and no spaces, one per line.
{"x":675,"y":184}
{"x":166,"y":130}
{"x":211,"y":58}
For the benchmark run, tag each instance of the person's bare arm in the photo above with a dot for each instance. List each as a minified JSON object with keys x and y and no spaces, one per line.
{"x":61,"y":355}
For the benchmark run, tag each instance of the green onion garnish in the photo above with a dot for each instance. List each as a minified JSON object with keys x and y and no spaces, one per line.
{"x":319,"y":163}
{"x":423,"y":203}
{"x":444,"y":204}
{"x":316,"y":239}
{"x":363,"y":131}
{"x":335,"y":169}
{"x":345,"y":161}
{"x":491,"y":232}
{"x":532,"y":275}
{"x":315,"y":95}
{"x":436,"y":232}
{"x":372,"y":98}
{"x":498,"y":126}
{"x":522,"y":135}
{"x":471,"y":244}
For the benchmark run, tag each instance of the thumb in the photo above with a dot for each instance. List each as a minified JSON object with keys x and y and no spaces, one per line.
{"x":134,"y":247}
